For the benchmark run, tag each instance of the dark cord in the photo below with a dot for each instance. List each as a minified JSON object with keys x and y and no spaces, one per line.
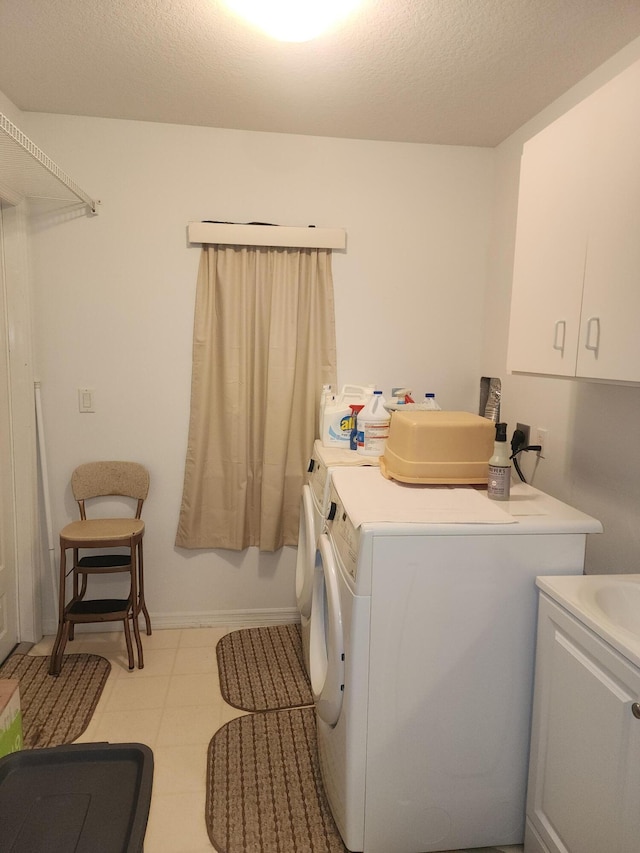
{"x":514,"y":455}
{"x":517,"y":467}
{"x":517,"y":441}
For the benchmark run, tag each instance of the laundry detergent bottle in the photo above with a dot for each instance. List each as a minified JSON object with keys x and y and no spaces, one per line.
{"x":373,"y":426}
{"x":337,"y":416}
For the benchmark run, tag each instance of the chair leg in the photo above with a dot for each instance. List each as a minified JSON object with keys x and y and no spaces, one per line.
{"x":141,"y":602}
{"x":55,"y":663}
{"x":136,"y":635}
{"x":77,"y":595}
{"x":63,"y":626}
{"x":127,"y":637}
{"x":135,"y":602}
{"x":74,"y":590}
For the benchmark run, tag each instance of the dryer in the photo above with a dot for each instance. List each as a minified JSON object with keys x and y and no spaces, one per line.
{"x":314,"y":505}
{"x":422,"y":643}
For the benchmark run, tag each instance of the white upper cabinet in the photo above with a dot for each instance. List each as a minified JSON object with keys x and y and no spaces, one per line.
{"x":609,"y":346}
{"x":551,"y":244}
{"x":576,"y":288}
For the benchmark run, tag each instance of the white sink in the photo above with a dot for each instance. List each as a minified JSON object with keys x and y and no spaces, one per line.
{"x":619,"y":602}
{"x":608,"y":604}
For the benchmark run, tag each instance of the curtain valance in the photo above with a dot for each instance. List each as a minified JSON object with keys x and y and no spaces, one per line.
{"x":260,"y":234}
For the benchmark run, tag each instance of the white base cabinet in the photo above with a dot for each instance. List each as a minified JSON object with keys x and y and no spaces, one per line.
{"x":584,"y":774}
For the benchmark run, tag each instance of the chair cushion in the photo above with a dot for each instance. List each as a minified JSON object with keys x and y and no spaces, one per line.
{"x":94,"y":529}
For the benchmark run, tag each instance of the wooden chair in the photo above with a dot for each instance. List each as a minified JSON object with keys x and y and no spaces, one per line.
{"x":95,"y":480}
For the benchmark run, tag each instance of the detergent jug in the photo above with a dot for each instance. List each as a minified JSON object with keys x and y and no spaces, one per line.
{"x":373,"y":426}
{"x":337,"y":416}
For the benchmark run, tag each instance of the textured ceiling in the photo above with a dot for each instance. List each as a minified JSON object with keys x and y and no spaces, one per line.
{"x":465,"y":72}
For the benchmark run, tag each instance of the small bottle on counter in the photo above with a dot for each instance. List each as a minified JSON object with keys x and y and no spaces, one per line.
{"x":499,"y":485}
{"x":353,"y":436}
{"x":430,"y":402}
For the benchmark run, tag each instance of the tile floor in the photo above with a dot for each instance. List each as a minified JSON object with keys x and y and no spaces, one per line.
{"x":174,"y":705}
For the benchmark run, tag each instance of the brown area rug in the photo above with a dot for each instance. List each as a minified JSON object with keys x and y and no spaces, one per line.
{"x":262,"y":669}
{"x":56,"y":710}
{"x":264,"y":792}
{"x":264,"y":789}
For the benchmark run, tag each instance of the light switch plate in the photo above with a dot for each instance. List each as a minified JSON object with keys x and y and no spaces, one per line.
{"x":85,"y":400}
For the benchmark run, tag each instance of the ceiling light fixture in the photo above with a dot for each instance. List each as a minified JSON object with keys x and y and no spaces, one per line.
{"x":293,"y":20}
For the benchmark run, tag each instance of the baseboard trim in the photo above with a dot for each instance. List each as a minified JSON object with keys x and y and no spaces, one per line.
{"x":232,"y":618}
{"x":211,"y":619}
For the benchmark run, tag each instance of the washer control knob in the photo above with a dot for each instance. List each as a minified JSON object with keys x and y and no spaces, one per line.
{"x":332,"y":511}
{"x":635,"y":710}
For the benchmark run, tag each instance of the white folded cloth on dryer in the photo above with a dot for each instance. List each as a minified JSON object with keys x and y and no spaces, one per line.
{"x":369,"y":497}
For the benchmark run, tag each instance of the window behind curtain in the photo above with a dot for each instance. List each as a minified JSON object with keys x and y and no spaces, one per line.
{"x":263,"y":346}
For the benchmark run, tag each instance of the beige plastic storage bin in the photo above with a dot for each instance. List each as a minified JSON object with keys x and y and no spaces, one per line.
{"x":438,"y":447}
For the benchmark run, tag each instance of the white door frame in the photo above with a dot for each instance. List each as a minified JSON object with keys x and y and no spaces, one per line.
{"x":14,"y":225}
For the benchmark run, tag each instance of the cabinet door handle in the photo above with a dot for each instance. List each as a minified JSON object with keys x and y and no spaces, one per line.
{"x":558,"y":340}
{"x":635,"y":710}
{"x":593,"y":345}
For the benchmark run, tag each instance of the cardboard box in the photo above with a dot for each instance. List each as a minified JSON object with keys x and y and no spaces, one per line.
{"x":10,"y":716}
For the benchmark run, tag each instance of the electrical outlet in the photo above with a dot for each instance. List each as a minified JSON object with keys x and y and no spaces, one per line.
{"x":526,"y":430}
{"x":542,"y":438}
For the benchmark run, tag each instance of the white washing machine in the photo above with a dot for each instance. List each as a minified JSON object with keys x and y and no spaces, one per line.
{"x":313,"y":510}
{"x":422,"y":647}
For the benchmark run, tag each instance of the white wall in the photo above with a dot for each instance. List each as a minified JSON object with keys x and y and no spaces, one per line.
{"x":115,"y":293}
{"x":593,"y":460}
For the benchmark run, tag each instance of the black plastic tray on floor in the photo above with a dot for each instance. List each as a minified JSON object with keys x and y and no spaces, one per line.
{"x":86,"y":798}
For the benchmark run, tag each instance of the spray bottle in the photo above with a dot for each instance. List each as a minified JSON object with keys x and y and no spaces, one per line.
{"x":499,"y":485}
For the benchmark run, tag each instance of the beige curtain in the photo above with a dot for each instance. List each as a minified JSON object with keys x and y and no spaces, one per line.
{"x":263,"y":346}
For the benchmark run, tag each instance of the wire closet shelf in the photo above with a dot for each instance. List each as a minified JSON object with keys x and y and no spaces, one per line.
{"x":27,"y":172}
